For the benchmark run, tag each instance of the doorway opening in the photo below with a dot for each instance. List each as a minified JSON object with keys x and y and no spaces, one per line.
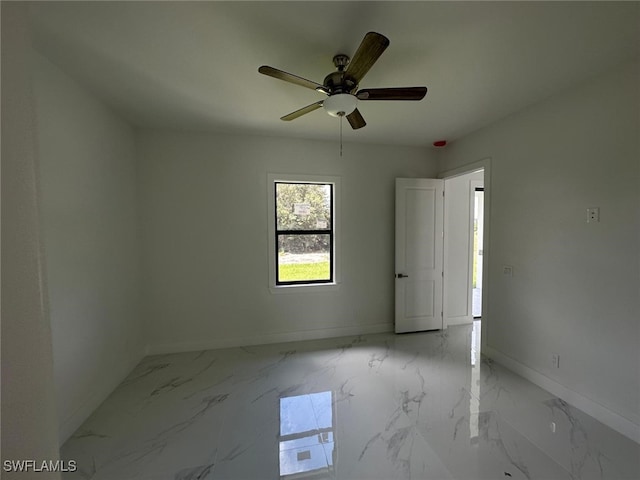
{"x":478,"y":234}
{"x":463,"y":231}
{"x":464,"y":252}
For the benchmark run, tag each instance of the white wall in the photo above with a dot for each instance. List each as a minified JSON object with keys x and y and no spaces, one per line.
{"x":90,"y":224}
{"x":29,"y":423}
{"x":575,"y":287}
{"x":458,"y":253}
{"x":204,"y":216}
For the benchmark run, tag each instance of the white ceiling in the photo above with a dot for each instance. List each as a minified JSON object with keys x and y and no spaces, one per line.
{"x":194,"y":65}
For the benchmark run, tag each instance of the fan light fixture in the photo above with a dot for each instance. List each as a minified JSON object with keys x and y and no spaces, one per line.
{"x":340,"y":104}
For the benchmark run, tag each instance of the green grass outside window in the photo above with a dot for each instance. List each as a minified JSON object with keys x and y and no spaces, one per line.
{"x":291,"y":272}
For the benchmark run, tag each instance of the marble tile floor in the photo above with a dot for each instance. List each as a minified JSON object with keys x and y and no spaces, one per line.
{"x":414,"y":406}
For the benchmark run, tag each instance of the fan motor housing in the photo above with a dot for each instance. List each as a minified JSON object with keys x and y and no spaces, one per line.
{"x":339,"y":82}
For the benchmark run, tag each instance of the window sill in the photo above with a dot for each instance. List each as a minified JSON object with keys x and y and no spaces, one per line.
{"x":308,"y":288}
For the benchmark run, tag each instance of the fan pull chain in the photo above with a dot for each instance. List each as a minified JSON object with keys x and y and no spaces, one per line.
{"x":341,"y":117}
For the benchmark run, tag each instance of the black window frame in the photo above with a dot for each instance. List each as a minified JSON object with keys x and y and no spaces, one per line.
{"x":327,"y":231}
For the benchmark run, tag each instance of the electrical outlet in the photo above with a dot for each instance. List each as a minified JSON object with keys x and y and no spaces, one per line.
{"x":593,"y":215}
{"x":507,"y":270}
{"x":555,"y":360}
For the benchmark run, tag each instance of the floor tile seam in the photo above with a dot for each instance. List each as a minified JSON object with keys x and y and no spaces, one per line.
{"x":502,"y":418}
{"x":500,"y":382}
{"x":416,"y":431}
{"x":317,"y":430}
{"x":215,"y":456}
{"x":493,"y":412}
{"x":532,"y":442}
{"x":580,"y":423}
{"x":234,"y":389}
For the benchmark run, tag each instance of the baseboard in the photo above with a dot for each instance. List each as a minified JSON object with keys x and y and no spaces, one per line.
{"x":619,"y":423}
{"x":69,"y":425}
{"x":161,"y":348}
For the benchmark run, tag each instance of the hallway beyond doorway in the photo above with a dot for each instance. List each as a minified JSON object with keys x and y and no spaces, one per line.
{"x":478,"y":247}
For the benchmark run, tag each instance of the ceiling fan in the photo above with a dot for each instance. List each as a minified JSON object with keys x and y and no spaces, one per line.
{"x":341,"y":86}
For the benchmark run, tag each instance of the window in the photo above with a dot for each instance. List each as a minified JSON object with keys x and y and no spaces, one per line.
{"x":304,"y":233}
{"x":303,"y":236}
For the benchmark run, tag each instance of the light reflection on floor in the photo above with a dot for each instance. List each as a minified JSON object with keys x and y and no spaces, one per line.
{"x":307,"y":442}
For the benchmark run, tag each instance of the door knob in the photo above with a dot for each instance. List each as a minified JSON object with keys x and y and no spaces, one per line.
{"x":401,"y":275}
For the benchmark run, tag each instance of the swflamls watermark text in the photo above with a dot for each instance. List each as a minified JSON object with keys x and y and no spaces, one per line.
{"x":39,"y":465}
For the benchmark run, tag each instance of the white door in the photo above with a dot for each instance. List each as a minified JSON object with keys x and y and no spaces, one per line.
{"x":419,"y":252}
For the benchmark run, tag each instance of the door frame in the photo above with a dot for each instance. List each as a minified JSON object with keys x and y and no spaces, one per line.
{"x":483,"y":164}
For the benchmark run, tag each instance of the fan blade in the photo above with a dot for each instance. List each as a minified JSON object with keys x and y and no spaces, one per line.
{"x":368,"y":52}
{"x":402,"y":93}
{"x":355,"y":119}
{"x":302,"y":111}
{"x":291,"y":78}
